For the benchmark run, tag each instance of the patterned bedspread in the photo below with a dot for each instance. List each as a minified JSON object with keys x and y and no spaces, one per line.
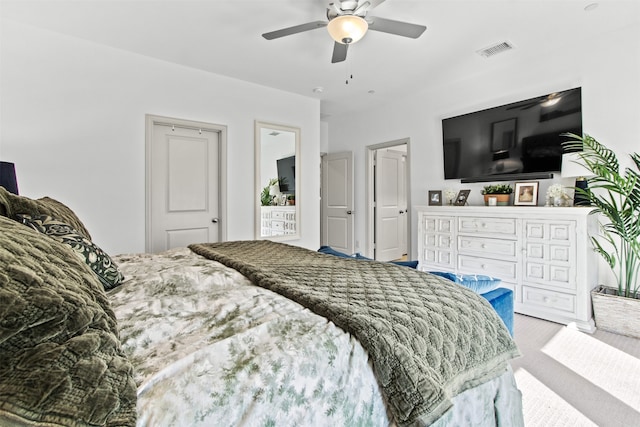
{"x":211,"y":348}
{"x":428,"y":338}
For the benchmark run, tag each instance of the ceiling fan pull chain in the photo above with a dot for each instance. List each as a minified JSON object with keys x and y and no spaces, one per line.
{"x":348,"y":74}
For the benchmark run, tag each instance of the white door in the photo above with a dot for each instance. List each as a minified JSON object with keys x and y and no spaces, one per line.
{"x":390,"y":205}
{"x":183,"y":186}
{"x":337,"y":202}
{"x":404,"y":205}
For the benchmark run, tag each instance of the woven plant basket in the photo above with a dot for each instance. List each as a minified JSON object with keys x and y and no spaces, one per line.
{"x":614,"y":313}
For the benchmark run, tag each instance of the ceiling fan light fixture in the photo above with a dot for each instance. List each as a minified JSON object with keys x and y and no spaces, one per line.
{"x":347,"y":29}
{"x":551,"y":100}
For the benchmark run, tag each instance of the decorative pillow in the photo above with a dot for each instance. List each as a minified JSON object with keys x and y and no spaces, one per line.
{"x":476,"y":282}
{"x":410,"y":264}
{"x":61,"y":361}
{"x":100,"y":263}
{"x":329,"y":250}
{"x":12,"y":205}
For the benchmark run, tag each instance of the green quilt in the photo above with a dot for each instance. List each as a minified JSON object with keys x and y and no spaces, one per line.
{"x":428,"y":339}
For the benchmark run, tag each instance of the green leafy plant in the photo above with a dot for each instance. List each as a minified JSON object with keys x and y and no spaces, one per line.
{"x":497,"y":189}
{"x":615,"y":195}
{"x":265,"y":197}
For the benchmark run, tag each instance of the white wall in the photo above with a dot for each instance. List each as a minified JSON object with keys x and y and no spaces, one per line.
{"x":607,"y":69}
{"x":73,"y":121}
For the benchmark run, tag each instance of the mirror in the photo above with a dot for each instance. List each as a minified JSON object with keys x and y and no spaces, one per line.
{"x":277,"y":172}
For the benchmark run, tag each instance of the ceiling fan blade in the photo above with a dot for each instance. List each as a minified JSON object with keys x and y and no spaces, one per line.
{"x":362,"y":8}
{"x":294,"y":30}
{"x":399,"y":28}
{"x":339,"y":52}
{"x":375,"y":3}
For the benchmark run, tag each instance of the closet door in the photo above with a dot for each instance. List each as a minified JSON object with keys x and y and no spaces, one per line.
{"x":183,"y":188}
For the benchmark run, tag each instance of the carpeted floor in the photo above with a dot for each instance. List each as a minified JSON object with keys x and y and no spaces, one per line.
{"x":570,"y":378}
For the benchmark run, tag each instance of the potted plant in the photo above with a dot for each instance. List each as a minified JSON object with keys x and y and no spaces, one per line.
{"x":266,"y":198}
{"x":615,"y":197}
{"x":502,"y":193}
{"x":291,"y":199}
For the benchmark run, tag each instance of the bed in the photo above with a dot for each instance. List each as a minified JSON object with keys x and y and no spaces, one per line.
{"x":251,"y":333}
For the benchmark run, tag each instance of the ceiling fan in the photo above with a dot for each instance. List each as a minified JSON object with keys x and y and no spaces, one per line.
{"x":544,"y":101}
{"x":348,"y":22}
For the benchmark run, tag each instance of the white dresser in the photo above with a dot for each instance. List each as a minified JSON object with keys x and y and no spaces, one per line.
{"x":278,"y":220}
{"x":542,"y":253}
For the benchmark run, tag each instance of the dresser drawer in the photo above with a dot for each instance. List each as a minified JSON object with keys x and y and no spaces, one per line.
{"x":544,"y":251}
{"x":543,"y":298}
{"x":505,"y":270}
{"x":442,"y":241}
{"x":501,"y":226}
{"x":560,"y":276}
{"x":438,"y":225}
{"x":277,"y":225}
{"x":552,"y":231}
{"x":277,"y":215}
{"x":437,"y":258}
{"x":485,"y":246}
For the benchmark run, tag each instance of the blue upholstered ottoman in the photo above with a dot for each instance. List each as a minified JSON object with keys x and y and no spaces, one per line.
{"x":501,"y":299}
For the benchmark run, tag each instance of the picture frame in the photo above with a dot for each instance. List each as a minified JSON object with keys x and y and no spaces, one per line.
{"x":526,"y":193}
{"x":503,"y":134}
{"x":461,"y":198}
{"x":435,"y":198}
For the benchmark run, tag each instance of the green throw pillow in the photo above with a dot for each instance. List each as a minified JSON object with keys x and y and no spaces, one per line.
{"x":99,"y":261}
{"x":61,"y":361}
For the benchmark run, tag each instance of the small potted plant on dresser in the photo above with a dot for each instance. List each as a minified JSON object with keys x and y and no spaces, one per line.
{"x":291,"y":199}
{"x":502,"y":193}
{"x":615,"y":197}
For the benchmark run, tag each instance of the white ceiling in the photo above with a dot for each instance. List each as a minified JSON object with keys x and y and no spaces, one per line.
{"x":224,"y":37}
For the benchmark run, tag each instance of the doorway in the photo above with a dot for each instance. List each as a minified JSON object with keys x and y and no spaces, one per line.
{"x":387,"y":200}
{"x":337,"y":215}
{"x":185,"y":183}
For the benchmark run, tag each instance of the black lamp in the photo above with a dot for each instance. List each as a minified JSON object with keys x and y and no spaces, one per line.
{"x":8,"y":177}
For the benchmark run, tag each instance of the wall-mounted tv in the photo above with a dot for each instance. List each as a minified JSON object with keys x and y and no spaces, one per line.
{"x":287,"y":174}
{"x":521,"y":140}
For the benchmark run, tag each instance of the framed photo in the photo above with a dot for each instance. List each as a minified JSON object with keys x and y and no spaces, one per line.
{"x":435,"y":198}
{"x":503,"y":134}
{"x":461,"y":198}
{"x":526,"y":194}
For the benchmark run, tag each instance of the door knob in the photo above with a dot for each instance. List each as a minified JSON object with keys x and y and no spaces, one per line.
{"x":214,"y":220}
{"x":349,"y":212}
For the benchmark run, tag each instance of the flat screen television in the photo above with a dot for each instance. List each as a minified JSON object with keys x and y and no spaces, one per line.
{"x":287,"y":174}
{"x":521,"y":140}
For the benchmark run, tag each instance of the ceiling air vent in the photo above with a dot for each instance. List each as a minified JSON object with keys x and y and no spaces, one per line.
{"x":495,"y":49}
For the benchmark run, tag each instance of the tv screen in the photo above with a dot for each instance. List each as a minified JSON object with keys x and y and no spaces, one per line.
{"x":514,"y":141}
{"x":287,"y":174}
